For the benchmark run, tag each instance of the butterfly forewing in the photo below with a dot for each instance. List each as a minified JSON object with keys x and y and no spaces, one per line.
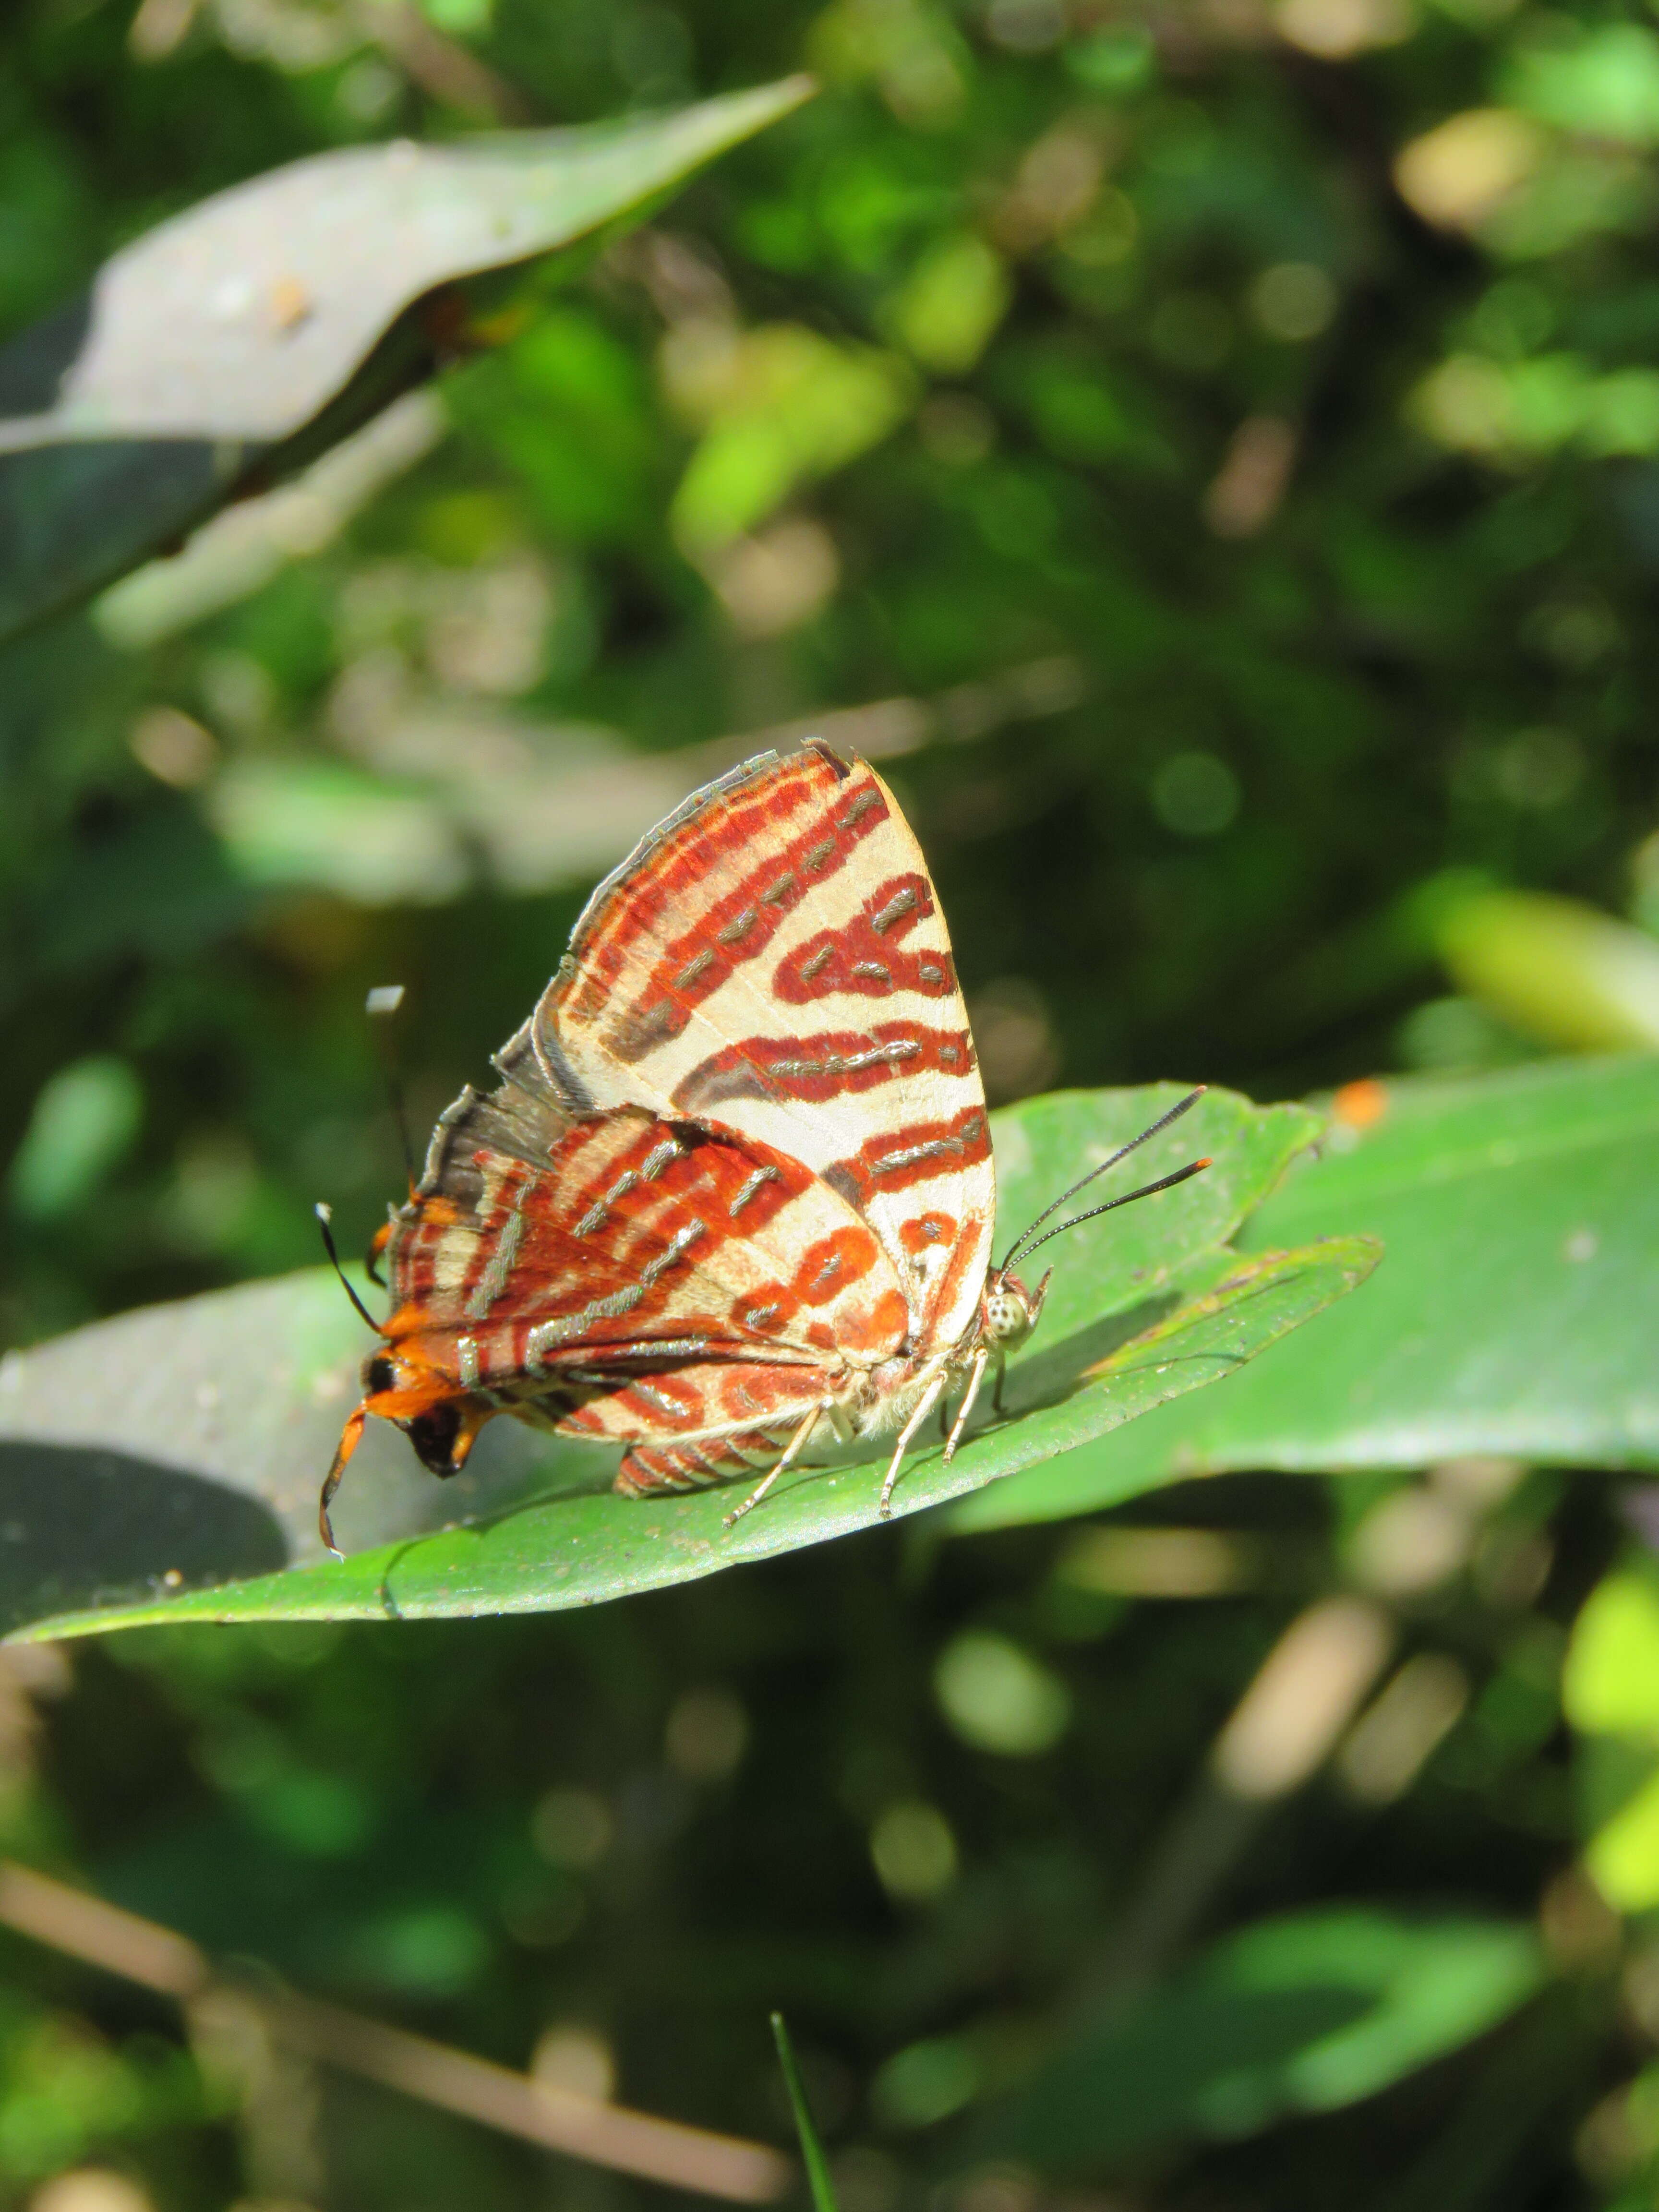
{"x":773,"y":961}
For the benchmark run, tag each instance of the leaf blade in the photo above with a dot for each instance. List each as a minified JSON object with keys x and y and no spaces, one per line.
{"x":242,"y":317}
{"x":1307,"y":2013}
{"x":818,"y":2180}
{"x":244,"y":336}
{"x":1520,"y":1216}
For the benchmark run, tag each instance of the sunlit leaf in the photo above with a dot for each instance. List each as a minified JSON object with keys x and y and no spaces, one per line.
{"x":949,"y":308}
{"x":1622,"y":1854}
{"x":1605,"y":84}
{"x":997,"y":1697}
{"x":323,"y":825}
{"x":1520,"y":1213}
{"x":1610,"y":1683}
{"x":795,"y":406}
{"x":83,"y":1120}
{"x":1610,"y":1692}
{"x":1557,"y":970}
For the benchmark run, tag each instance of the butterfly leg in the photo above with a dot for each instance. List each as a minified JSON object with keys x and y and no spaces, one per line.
{"x":349,"y":1437}
{"x":792,"y":1449}
{"x":975,"y":1376}
{"x":924,"y":1405}
{"x":997,"y":1406}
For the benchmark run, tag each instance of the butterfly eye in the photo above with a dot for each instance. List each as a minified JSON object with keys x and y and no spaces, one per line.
{"x":1009,"y":1316}
{"x":378,"y":1374}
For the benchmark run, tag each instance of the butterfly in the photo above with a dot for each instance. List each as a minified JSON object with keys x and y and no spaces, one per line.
{"x":734,"y":1191}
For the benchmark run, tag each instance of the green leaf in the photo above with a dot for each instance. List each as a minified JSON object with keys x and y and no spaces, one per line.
{"x":1610,"y":1682}
{"x":948,"y":308}
{"x":811,"y":2147}
{"x":800,"y":407}
{"x":997,"y":1697}
{"x":1302,"y":2014}
{"x":1555,"y":969}
{"x":1610,"y":1692}
{"x":364,"y":837}
{"x":234,"y":343}
{"x":83,"y":1122}
{"x":179,"y":1449}
{"x":1622,"y":1855}
{"x":1606,"y":86}
{"x":1520,"y":1212}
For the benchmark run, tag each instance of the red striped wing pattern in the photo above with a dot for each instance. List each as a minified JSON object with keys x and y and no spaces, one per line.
{"x":773,"y":961}
{"x":737,"y":1167}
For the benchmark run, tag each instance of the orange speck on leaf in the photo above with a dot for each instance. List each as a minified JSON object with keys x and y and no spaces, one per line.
{"x":290,"y":303}
{"x":1360,"y":1105}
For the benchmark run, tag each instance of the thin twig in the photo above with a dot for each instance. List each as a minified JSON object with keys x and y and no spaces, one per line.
{"x":103,"y":1935}
{"x":884,"y":729}
{"x":120,"y":1942}
{"x":440,"y":65}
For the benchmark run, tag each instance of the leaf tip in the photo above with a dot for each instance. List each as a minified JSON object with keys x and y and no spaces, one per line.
{"x":811,"y":2146}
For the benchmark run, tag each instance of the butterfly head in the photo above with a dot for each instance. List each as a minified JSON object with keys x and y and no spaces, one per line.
{"x":440,"y":1421}
{"x":1008,"y":1311}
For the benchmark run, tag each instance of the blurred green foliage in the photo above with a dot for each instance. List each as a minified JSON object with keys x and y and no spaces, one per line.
{"x":1216,"y":445}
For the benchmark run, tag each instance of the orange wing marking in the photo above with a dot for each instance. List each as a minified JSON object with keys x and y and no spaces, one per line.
{"x":862,"y":956}
{"x":822,"y":1066}
{"x":899,"y":1158}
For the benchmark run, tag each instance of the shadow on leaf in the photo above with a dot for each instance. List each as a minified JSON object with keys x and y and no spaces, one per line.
{"x":1049,"y":1375}
{"x":79,"y":1528}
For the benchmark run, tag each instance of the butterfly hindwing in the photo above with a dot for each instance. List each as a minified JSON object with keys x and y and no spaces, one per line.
{"x":634,"y":1238}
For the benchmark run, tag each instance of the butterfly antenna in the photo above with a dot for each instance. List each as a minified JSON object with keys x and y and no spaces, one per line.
{"x":381,"y":1004}
{"x":325,"y":1222}
{"x":1146,"y":1190}
{"x":1021,"y":1248}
